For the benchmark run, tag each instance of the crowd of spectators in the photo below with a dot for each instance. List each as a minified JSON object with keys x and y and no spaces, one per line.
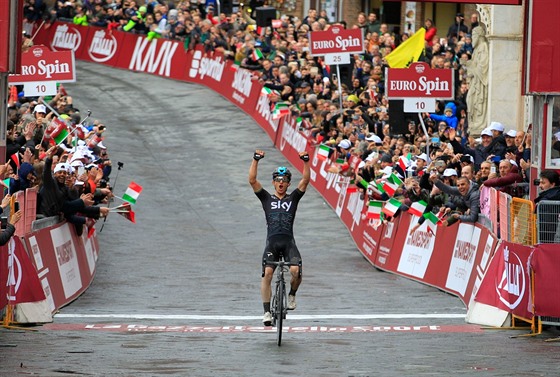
{"x":438,"y":159}
{"x":70,"y":172}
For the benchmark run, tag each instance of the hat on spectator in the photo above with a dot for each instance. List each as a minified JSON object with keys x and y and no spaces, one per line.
{"x":142,"y":9}
{"x":374,"y":138}
{"x":449,"y":172}
{"x":386,"y":158}
{"x":90,"y":166}
{"x":40,"y":109}
{"x":361,"y":164}
{"x":345,"y":144}
{"x":557,"y":135}
{"x":353,"y":98}
{"x":371,"y":156}
{"x":511,"y":133}
{"x":513,"y":162}
{"x":304,"y":84}
{"x":62,"y":167}
{"x":486,"y":132}
{"x":423,"y":156}
{"x":496,"y":126}
{"x":76,"y":163}
{"x":467,"y":158}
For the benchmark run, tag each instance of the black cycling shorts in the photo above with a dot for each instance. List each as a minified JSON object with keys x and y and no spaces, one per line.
{"x":281,"y":246}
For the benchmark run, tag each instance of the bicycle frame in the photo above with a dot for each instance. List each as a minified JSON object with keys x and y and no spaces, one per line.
{"x":279,"y":304}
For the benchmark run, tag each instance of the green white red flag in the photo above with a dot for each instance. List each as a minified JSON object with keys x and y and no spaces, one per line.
{"x":418,"y":208}
{"x":257,"y":54}
{"x":404,"y":162}
{"x":391,"y":207}
{"x":15,"y":159}
{"x":323,"y":152}
{"x":374,"y":209}
{"x":432,"y":221}
{"x":390,"y":188}
{"x":132,"y":193}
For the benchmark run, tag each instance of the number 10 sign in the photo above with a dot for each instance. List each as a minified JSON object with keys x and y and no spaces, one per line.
{"x":419,"y":105}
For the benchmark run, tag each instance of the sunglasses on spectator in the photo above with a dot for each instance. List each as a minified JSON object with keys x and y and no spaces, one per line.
{"x":281,"y":179}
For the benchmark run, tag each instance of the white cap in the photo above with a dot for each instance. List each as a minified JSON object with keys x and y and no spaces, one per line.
{"x":513,"y":162}
{"x":496,"y":126}
{"x":511,"y":133}
{"x":40,"y":108}
{"x":423,"y":156}
{"x":62,"y":167}
{"x":449,"y":172}
{"x":375,"y":138}
{"x":371,"y":156}
{"x":557,"y":135}
{"x":486,"y":132}
{"x":345,"y":144}
{"x":361,"y":164}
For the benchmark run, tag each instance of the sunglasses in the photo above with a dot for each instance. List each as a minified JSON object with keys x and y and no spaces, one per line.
{"x":282,"y":179}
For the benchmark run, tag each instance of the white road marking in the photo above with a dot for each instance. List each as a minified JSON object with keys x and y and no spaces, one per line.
{"x":244,"y":318}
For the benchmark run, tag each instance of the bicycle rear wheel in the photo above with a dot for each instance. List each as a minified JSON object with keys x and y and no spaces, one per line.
{"x":279,"y":312}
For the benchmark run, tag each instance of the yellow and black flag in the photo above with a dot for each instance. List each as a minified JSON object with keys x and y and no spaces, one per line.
{"x":407,"y":52}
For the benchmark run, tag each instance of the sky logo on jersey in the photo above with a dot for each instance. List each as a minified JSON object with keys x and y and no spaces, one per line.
{"x":279,"y":205}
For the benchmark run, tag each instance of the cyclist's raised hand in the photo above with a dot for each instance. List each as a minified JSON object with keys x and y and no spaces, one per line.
{"x":258,"y":154}
{"x":304,"y":156}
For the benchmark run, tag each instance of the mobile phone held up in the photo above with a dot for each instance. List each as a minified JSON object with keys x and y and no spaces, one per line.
{"x":16,"y":207}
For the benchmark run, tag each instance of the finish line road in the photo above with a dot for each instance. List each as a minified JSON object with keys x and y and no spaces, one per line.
{"x":187,"y":275}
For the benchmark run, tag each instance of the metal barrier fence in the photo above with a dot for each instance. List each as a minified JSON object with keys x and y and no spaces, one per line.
{"x":548,"y":219}
{"x":522,"y":222}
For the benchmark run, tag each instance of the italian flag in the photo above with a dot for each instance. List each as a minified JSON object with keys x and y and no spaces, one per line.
{"x":391,"y":207}
{"x":418,"y":208}
{"x":58,"y":139}
{"x":351,"y":187}
{"x":132,"y":193}
{"x":376,"y":188}
{"x":323,"y":152}
{"x":15,"y":158}
{"x":269,"y":92}
{"x":433,"y":221}
{"x":395,"y":179}
{"x":374,"y":209}
{"x":390,"y":188}
{"x":280,"y":110}
{"x":404,"y":162}
{"x":257,"y":54}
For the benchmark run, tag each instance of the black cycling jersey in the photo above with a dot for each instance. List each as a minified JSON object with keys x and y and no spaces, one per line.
{"x":280,"y":213}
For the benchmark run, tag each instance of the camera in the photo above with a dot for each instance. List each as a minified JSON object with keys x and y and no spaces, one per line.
{"x":3,"y":222}
{"x":102,"y":183}
{"x":120,"y":165}
{"x":16,"y":207}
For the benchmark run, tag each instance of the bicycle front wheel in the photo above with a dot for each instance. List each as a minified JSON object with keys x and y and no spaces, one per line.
{"x":279,"y":312}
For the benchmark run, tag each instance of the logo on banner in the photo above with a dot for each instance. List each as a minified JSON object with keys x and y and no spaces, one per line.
{"x":512,"y":284}
{"x":243,"y":84}
{"x":15,"y":272}
{"x":148,"y":58}
{"x":67,"y":38}
{"x":417,"y":251}
{"x":204,"y":66}
{"x":291,"y":136}
{"x":463,"y":258}
{"x":103,"y":46}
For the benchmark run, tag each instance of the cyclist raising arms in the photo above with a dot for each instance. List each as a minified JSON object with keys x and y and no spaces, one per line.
{"x":280,"y":211}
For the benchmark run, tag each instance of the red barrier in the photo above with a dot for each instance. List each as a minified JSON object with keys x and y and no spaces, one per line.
{"x":507,"y":283}
{"x":64,"y":262}
{"x":544,"y":262}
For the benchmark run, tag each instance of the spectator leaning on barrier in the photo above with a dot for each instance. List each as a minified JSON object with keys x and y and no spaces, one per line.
{"x":549,"y":184}
{"x":468,"y":192}
{"x":508,"y":179}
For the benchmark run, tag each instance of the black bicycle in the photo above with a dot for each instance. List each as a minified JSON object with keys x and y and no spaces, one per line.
{"x":279,"y":304}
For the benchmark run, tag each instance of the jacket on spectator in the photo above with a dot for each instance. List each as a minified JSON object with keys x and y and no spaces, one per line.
{"x":507,"y":184}
{"x":480,"y":152}
{"x":471,"y":199}
{"x":52,"y":195}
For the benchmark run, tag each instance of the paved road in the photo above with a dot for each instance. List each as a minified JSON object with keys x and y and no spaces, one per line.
{"x":178,"y":292}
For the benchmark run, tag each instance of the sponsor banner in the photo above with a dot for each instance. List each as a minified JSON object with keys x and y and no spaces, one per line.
{"x":67,"y":36}
{"x":39,"y":64}
{"x":485,"y":250}
{"x":385,"y":250}
{"x":463,"y":258}
{"x":419,"y":80}
{"x":101,"y":46}
{"x":161,"y":57}
{"x":544,"y":262}
{"x":336,"y":40}
{"x":417,"y":250}
{"x":18,"y":277}
{"x":506,"y":284}
{"x":65,"y":263}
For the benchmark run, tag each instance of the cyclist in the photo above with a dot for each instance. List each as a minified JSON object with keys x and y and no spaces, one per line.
{"x":280,"y":211}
